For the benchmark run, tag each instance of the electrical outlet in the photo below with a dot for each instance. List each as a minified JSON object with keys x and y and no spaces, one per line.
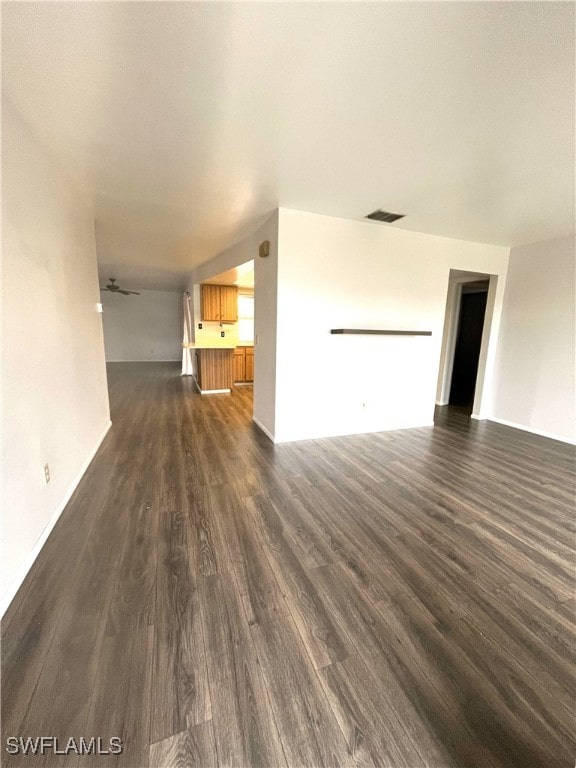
{"x":222,"y":333}
{"x":46,"y":473}
{"x":199,"y":326}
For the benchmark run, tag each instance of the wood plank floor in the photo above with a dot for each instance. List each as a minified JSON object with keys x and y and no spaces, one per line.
{"x":395,"y":599}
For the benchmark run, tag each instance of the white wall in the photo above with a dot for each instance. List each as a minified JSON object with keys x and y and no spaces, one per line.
{"x":337,"y":273}
{"x":535,"y":366}
{"x":265,"y":327}
{"x":145,"y":327}
{"x":265,"y":297}
{"x":55,"y":401}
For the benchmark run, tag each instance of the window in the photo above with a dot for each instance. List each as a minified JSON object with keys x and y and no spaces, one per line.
{"x":245,"y":319}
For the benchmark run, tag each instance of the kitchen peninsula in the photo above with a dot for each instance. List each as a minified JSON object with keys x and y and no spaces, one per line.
{"x":214,"y":367}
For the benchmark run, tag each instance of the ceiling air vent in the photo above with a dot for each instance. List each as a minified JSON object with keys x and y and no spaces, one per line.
{"x":386,"y":216}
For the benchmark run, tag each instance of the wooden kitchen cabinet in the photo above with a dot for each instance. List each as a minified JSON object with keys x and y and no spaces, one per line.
{"x":214,"y":369}
{"x":210,"y":302}
{"x":239,"y":364}
{"x":219,"y":303}
{"x":229,"y":303}
{"x":243,"y":364}
{"x":249,"y":369}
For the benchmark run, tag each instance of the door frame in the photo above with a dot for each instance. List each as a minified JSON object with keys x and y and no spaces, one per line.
{"x":456,"y":280}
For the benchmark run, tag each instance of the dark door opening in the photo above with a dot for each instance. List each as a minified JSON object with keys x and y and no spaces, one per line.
{"x":468,"y":341}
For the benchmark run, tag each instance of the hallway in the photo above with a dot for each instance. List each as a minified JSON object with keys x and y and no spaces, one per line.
{"x":392,"y":599}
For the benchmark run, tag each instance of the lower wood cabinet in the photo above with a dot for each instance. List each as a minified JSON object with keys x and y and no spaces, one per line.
{"x":214,"y":369}
{"x":239,"y":364}
{"x":243,"y":364}
{"x":249,"y":372}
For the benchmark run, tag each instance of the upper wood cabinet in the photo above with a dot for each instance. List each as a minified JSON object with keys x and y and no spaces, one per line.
{"x":220,"y":303}
{"x":229,"y":303}
{"x":210,"y":302}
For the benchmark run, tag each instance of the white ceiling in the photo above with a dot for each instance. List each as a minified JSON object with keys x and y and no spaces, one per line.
{"x":242,"y":275}
{"x":190,"y":122}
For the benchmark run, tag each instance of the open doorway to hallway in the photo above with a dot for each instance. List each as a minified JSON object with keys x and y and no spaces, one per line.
{"x":466,"y":330}
{"x":468,"y":341}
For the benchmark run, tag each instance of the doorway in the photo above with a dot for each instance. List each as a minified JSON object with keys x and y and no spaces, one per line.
{"x":475,"y":354}
{"x":236,"y":333}
{"x":473,"y":301}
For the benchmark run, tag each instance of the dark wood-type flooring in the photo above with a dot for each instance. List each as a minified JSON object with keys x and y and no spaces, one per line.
{"x":394,"y":599}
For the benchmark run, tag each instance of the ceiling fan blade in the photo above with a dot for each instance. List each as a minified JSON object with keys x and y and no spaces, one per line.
{"x":113,"y":288}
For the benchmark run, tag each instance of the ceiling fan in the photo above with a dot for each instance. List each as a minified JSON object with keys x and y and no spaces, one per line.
{"x":113,"y":288}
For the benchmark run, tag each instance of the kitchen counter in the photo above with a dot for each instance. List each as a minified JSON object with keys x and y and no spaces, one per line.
{"x":210,"y":345}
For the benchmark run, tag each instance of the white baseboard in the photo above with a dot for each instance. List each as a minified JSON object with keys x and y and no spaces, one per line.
{"x":326,"y":436}
{"x":17,"y":582}
{"x":261,"y":426}
{"x":524,"y":428}
{"x":210,"y":391}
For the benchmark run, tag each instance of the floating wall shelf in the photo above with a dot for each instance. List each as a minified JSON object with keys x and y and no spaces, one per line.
{"x":375,"y":332}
